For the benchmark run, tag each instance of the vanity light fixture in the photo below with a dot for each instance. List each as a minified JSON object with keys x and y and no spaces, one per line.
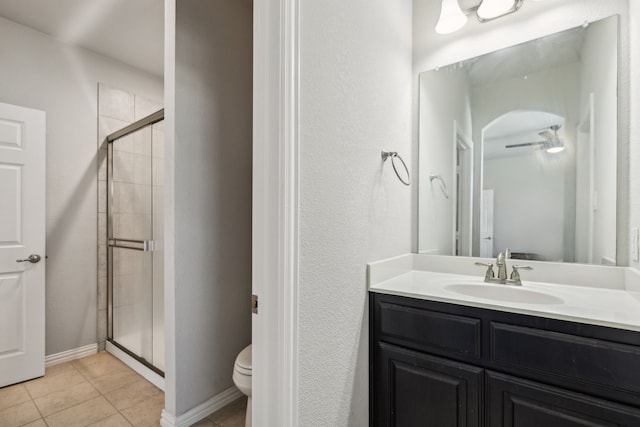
{"x":452,"y":17}
{"x":492,"y":9}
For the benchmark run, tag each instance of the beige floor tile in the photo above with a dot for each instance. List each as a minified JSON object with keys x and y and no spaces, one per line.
{"x":13,"y":395}
{"x":99,"y":365}
{"x":204,"y":423}
{"x":63,"y":399}
{"x":115,"y":380}
{"x":147,"y":413}
{"x":132,"y":394}
{"x":51,"y":383}
{"x":37,"y":423}
{"x":59,"y":368}
{"x":115,"y":420}
{"x":83,"y":414}
{"x":239,"y":406}
{"x":19,"y":415}
{"x":235,"y":420}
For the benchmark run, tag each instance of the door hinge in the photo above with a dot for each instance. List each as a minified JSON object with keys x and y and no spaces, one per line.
{"x":254,"y":304}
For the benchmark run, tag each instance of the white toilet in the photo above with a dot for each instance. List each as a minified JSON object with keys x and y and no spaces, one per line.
{"x":242,"y":377}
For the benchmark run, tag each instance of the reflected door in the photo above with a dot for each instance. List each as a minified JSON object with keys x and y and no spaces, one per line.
{"x":486,"y":224}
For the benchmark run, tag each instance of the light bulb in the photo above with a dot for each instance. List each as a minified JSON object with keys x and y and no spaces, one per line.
{"x":490,"y":9}
{"x":451,"y":17}
{"x":554,"y":150}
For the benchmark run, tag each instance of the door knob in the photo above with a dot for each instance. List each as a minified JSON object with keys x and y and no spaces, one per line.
{"x":33,"y":259}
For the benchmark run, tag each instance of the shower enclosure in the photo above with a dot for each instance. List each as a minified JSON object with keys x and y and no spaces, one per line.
{"x":134,"y":247}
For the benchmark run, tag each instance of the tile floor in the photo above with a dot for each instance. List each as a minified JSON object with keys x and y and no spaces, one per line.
{"x":98,"y":391}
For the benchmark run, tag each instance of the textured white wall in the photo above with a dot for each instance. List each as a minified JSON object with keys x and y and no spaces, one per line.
{"x":208,"y":184}
{"x":355,"y":99}
{"x":534,"y":20}
{"x":39,"y":72}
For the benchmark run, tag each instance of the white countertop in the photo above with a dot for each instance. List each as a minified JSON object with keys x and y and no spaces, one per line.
{"x":598,"y":295}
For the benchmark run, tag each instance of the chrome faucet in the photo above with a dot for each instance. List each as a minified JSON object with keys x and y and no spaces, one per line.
{"x":501,"y":263}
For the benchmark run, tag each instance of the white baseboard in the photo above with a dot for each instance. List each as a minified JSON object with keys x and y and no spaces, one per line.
{"x":73,"y":354}
{"x":201,"y":411}
{"x":149,"y":375}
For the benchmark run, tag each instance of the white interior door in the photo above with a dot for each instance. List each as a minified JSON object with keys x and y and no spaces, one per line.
{"x":22,"y":243}
{"x":486,"y":225}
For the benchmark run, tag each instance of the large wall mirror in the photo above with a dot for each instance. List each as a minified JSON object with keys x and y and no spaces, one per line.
{"x":518,"y":150}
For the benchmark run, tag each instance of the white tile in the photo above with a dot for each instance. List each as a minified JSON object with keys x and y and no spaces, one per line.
{"x":142,"y":170}
{"x":107,"y":126}
{"x":145,"y":107}
{"x":142,"y":227}
{"x":142,"y":199}
{"x":102,"y":228}
{"x":123,"y":166}
{"x":126,"y":144}
{"x":102,"y":261}
{"x":158,"y":171}
{"x":102,"y":164}
{"x":102,"y":197}
{"x":142,"y":140}
{"x":102,"y":292}
{"x":158,"y":143}
{"x":116,"y":103}
{"x":123,"y":226}
{"x":123,"y":289}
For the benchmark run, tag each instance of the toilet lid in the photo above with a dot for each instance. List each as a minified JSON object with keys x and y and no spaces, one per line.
{"x":244,"y":359}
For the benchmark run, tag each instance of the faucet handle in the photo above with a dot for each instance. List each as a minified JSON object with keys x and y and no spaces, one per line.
{"x":515,"y":274}
{"x":489,"y":274}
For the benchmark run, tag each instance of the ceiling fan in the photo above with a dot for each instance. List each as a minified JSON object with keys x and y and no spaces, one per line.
{"x":551,"y":143}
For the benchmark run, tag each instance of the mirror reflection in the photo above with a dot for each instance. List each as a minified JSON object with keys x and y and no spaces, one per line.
{"x":518,"y":150}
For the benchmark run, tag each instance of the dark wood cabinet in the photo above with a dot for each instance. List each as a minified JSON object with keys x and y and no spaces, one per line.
{"x":514,"y":402}
{"x":426,"y":391}
{"x":437,"y":364}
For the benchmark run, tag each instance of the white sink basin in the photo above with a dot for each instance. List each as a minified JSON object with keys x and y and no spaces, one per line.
{"x":508,"y":293}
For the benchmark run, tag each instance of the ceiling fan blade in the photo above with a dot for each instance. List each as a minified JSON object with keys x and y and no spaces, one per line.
{"x":525,"y":144}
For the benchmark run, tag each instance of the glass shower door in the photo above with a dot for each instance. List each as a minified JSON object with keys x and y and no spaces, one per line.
{"x":135,"y":316}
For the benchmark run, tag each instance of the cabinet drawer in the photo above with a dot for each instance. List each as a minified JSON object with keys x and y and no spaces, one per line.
{"x":514,"y":402}
{"x":564,"y":356}
{"x":430,"y":331}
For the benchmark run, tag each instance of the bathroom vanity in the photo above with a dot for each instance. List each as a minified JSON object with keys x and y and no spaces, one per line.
{"x":559,"y":355}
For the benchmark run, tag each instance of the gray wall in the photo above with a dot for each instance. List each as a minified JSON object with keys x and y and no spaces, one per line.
{"x":210,"y":217}
{"x":39,"y":72}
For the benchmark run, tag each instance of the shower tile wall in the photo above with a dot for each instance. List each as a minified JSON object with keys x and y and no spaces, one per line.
{"x":136,"y":178}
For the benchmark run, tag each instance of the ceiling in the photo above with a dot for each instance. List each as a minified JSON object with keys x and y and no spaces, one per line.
{"x":130,"y":31}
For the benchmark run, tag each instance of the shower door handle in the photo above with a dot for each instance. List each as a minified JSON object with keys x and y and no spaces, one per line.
{"x":33,"y":259}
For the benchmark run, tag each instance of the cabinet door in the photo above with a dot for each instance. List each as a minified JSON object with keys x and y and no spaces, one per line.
{"x":513,"y":402}
{"x":414,"y":389}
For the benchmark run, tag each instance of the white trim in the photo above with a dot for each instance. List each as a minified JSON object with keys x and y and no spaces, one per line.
{"x":69,"y":355}
{"x":275,"y":213}
{"x":289,"y":205}
{"x":145,"y":372}
{"x":201,"y":411}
